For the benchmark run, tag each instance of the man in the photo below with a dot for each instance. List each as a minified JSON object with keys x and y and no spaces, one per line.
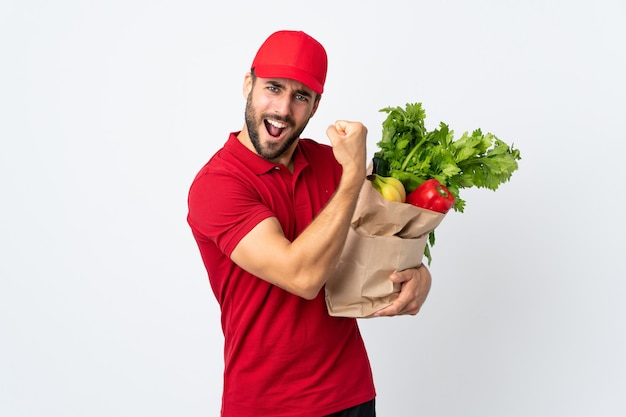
{"x":270,"y":212}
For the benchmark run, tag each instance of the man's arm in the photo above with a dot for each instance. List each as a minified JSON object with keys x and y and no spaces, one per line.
{"x":303,"y":266}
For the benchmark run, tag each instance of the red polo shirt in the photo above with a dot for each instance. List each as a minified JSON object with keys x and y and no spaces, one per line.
{"x":283,"y":355}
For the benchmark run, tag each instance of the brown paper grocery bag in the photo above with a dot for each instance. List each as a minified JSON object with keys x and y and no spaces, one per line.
{"x":384,"y":236}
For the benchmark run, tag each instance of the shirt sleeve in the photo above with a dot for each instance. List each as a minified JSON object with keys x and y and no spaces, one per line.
{"x":223,"y":208}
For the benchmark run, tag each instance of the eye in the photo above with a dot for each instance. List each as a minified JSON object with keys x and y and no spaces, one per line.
{"x":272,"y":88}
{"x":301,"y":97}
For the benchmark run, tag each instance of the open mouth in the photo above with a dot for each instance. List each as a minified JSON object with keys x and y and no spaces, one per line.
{"x":274,"y":128}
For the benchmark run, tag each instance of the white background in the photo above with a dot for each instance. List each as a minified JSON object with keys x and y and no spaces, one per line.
{"x":108,"y":109}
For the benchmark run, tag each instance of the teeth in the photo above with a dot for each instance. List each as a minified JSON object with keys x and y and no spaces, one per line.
{"x":277,"y":124}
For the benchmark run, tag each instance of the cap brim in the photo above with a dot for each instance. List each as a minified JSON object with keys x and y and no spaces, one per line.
{"x":283,"y":71}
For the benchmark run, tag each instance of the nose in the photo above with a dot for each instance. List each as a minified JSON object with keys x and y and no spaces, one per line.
{"x":282,"y":105}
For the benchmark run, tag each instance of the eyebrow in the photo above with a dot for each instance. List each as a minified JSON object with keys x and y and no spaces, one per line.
{"x":300,"y":91}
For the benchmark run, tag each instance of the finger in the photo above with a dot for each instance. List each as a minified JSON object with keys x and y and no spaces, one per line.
{"x":345,"y":127}
{"x":387,"y":311}
{"x":396,"y":308}
{"x":396,"y":277}
{"x":406,"y":274}
{"x":333,"y":135}
{"x":331,"y":130}
{"x":341,"y":127}
{"x":399,"y":277}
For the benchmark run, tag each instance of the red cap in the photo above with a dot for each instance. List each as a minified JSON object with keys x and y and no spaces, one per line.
{"x":294,"y":55}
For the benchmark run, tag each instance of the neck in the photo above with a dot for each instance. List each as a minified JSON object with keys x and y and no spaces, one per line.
{"x":286,"y":158}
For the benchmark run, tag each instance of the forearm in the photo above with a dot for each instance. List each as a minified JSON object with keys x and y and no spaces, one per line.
{"x":318,"y":249}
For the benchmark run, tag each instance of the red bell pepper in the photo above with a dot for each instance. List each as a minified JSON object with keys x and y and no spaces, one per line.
{"x":431,"y":195}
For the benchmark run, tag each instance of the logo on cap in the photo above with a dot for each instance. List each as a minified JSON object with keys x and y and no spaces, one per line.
{"x":294,"y":55}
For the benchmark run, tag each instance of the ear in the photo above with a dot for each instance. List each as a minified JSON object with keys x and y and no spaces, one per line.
{"x":247,"y":85}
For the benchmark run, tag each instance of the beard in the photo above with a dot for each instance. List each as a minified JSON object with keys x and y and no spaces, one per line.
{"x":271,"y":150}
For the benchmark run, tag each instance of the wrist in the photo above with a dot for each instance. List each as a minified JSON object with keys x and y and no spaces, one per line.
{"x":352,"y":180}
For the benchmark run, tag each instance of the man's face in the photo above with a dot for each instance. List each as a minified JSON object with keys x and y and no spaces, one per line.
{"x":277,"y":111}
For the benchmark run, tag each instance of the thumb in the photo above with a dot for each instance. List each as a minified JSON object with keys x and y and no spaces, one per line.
{"x":336,"y":130}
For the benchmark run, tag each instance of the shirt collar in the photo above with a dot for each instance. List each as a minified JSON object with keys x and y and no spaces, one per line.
{"x":257,"y":164}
